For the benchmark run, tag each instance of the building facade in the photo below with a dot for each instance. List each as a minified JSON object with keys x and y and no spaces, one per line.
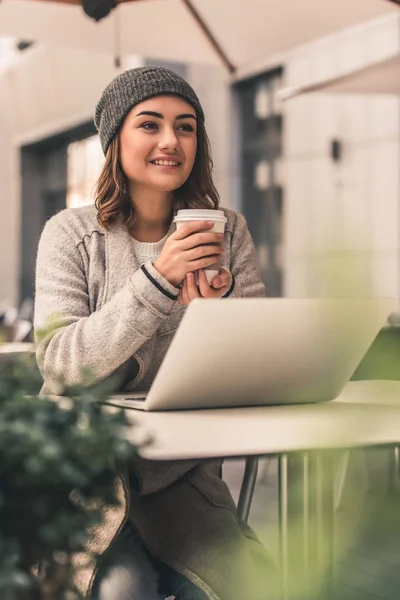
{"x":317,"y":177}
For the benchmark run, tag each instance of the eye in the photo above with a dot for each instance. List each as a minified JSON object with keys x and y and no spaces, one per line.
{"x":186,"y":127}
{"x":149,"y":125}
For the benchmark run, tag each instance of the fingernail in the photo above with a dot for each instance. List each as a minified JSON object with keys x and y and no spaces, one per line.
{"x":210,"y":223}
{"x":217,"y":282}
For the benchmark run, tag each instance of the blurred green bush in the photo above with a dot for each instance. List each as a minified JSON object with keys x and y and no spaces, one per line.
{"x":55,"y":459}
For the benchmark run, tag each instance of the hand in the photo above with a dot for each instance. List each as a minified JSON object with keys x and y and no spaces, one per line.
{"x":219,"y":286}
{"x":188,"y":249}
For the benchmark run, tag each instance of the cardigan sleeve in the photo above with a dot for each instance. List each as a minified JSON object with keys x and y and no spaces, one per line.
{"x":69,"y":336}
{"x":246,"y":281}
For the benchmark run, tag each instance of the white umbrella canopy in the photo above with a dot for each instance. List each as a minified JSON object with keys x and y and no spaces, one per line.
{"x":238,"y":33}
{"x":382,"y":77}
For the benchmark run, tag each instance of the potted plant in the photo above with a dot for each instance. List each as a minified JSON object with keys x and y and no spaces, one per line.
{"x":55,"y":457}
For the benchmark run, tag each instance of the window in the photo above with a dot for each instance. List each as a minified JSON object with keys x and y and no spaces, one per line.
{"x":262,"y":177}
{"x":84,"y":162}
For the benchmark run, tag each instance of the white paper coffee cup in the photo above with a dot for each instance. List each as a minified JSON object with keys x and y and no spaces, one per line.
{"x":197,"y":214}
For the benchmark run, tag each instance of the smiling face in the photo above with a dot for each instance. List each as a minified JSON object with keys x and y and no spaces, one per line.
{"x":158,"y":143}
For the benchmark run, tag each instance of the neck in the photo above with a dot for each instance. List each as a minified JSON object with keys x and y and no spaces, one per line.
{"x":153,"y":213}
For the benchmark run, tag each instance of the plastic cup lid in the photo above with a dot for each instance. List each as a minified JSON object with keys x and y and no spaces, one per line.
{"x":200,"y":214}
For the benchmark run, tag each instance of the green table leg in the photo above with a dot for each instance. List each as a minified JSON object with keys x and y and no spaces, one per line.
{"x":306,"y":525}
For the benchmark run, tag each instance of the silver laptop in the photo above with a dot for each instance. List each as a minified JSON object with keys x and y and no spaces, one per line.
{"x":261,"y":351}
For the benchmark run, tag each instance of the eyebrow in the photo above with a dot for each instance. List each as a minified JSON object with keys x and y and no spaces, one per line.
{"x":151,"y":113}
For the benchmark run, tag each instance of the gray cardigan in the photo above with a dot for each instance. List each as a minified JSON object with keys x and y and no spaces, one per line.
{"x":113,"y":316}
{"x":116,"y":317}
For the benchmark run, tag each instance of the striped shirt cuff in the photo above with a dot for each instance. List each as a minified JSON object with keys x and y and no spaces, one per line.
{"x":160,"y":282}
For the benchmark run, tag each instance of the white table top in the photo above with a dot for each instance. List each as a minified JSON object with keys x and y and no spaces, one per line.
{"x":346,"y":422}
{"x":11,"y":350}
{"x":16,"y":347}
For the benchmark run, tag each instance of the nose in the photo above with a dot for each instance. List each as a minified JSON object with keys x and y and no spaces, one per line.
{"x":168,"y":139}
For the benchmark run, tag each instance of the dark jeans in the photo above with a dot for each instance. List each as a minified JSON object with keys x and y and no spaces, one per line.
{"x":128,"y":572}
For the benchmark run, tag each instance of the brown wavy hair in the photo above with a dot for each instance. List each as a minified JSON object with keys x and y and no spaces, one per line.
{"x":111,"y":192}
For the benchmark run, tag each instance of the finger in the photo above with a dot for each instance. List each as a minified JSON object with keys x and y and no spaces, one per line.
{"x":202,"y":263}
{"x":203,"y":252}
{"x":204,"y":286}
{"x":185,"y":295}
{"x":220,"y":281}
{"x":217,"y":282}
{"x":192,"y":289}
{"x":192,"y":227}
{"x":180,"y":298}
{"x":200,"y":239}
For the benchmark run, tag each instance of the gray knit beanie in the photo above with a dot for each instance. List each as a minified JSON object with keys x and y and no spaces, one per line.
{"x":132,"y":87}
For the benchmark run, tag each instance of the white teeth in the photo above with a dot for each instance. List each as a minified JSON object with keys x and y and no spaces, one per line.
{"x":165,"y":163}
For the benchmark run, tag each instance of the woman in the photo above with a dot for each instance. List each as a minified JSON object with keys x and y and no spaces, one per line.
{"x":118,"y":278}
